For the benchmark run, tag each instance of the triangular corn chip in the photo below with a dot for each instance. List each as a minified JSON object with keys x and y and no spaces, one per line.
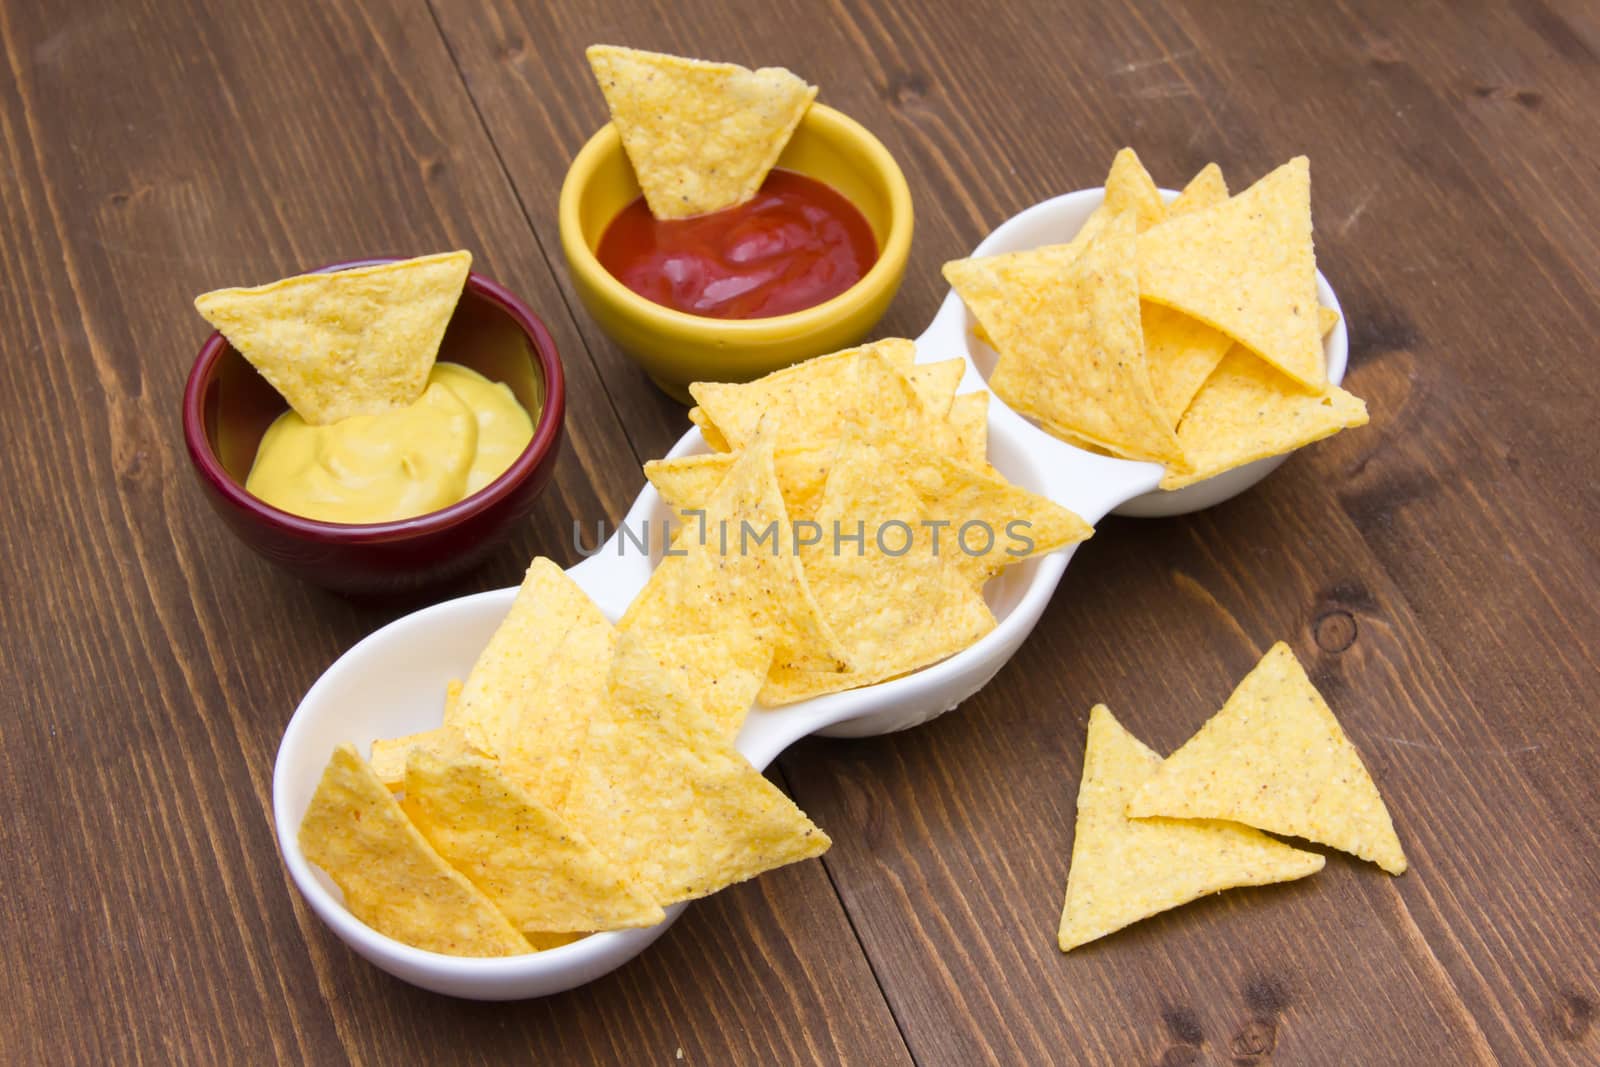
{"x":1205,"y":189}
{"x":735,"y":570}
{"x":1129,"y":187}
{"x":969,"y":414}
{"x":701,"y":136}
{"x":1071,"y":345}
{"x":1033,"y":266}
{"x":1327,"y":319}
{"x":539,"y":871}
{"x":389,"y":754}
{"x":662,"y":792}
{"x":723,"y":671}
{"x":809,"y":404}
{"x":1247,"y":267}
{"x":1247,"y":411}
{"x":686,"y":483}
{"x":897,"y":599}
{"x":392,"y":879}
{"x":708,"y":430}
{"x":1182,"y":353}
{"x":1124,"y":870}
{"x":1022,"y":522}
{"x":349,"y":342}
{"x":529,"y":697}
{"x":936,"y":384}
{"x":1275,"y":758}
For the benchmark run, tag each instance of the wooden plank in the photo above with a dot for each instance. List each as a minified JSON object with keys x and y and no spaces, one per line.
{"x":147,"y":153}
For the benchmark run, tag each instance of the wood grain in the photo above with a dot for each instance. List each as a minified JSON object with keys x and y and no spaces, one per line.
{"x":1434,"y":570}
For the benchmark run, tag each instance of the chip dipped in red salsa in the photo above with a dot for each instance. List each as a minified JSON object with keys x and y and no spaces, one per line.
{"x":795,"y":244}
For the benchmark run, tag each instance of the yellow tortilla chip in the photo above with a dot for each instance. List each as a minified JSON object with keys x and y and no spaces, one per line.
{"x":1275,"y":758}
{"x":1129,"y":187}
{"x":1182,"y":353}
{"x":1246,"y":267}
{"x":735,"y":571}
{"x":1071,"y":345}
{"x":663,"y":793}
{"x":1247,"y":411}
{"x":708,"y":430}
{"x":529,"y":697}
{"x":540,"y":872}
{"x":392,"y":879}
{"x":701,"y":136}
{"x":897,"y":599}
{"x":1031,"y":265}
{"x":969,"y":414}
{"x":543,"y":941}
{"x":686,"y":483}
{"x":1124,"y":870}
{"x":1206,"y":189}
{"x":1327,"y":319}
{"x":810,"y":403}
{"x":1024,"y":523}
{"x":389,"y":753}
{"x":723,"y":671}
{"x":349,"y":342}
{"x":936,"y":384}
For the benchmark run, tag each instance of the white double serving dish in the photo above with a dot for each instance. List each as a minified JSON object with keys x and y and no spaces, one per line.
{"x":393,"y":682}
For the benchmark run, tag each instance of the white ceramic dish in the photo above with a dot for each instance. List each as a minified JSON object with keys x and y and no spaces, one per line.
{"x":393,"y":682}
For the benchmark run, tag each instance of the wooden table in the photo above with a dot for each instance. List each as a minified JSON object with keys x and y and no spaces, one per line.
{"x":1437,"y":570}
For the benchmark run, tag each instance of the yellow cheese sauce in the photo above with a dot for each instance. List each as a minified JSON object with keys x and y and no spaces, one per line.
{"x":460,"y":435}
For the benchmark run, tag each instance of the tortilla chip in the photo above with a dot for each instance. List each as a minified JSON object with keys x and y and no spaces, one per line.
{"x":723,"y":671}
{"x":1327,"y":319}
{"x":708,"y":430}
{"x":543,"y":941}
{"x":662,"y":791}
{"x":1247,"y":411}
{"x":898,"y":600}
{"x":1275,"y":758}
{"x":686,"y":483}
{"x":1071,"y":345}
{"x":1205,"y":189}
{"x":1182,"y":353}
{"x":969,"y":414}
{"x":540,"y":872}
{"x":811,"y":403}
{"x":349,"y":342}
{"x":736,"y":572}
{"x":1024,"y":523}
{"x":1124,"y":870}
{"x":936,"y":384}
{"x":1246,"y":267}
{"x":389,"y":753}
{"x":701,"y":136}
{"x":1129,"y":187}
{"x":392,"y":879}
{"x":529,"y":697}
{"x":1039,"y":265}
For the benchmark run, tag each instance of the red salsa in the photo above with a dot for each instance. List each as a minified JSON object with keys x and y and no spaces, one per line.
{"x":792,"y":246}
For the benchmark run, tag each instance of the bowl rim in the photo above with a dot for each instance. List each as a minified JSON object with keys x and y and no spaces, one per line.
{"x":546,"y":432}
{"x":884,"y":273}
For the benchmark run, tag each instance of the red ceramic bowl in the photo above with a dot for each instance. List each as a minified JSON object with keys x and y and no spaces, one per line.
{"x":227,"y":406}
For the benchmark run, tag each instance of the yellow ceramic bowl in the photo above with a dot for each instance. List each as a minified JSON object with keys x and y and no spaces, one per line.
{"x":676,"y":348}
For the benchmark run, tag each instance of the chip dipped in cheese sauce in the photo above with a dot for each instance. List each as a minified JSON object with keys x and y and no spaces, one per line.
{"x":460,"y":435}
